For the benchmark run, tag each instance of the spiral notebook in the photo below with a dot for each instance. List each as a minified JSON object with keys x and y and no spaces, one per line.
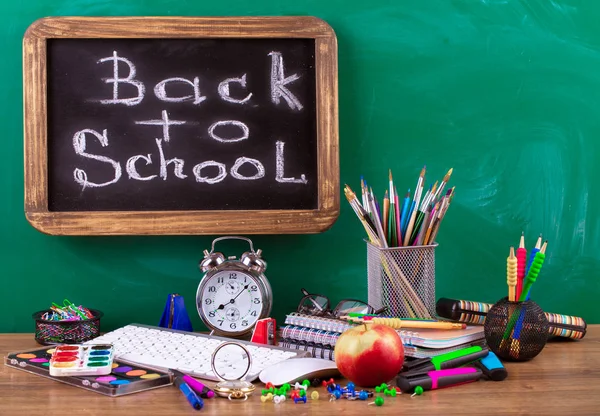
{"x":325,"y":331}
{"x":327,"y":352}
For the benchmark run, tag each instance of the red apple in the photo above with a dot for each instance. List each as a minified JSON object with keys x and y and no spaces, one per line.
{"x":369,"y":354}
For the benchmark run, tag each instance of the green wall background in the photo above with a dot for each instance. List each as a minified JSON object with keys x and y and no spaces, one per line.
{"x":505,"y":91}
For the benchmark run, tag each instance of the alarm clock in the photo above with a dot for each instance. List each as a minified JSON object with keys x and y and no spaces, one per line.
{"x":233,"y":293}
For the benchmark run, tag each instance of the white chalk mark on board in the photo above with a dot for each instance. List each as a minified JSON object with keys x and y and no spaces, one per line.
{"x":178,"y":163}
{"x":260,"y":169}
{"x":242,"y":126}
{"x":165,"y":123}
{"x":132,"y":171}
{"x":280,"y":167}
{"x":129,"y":79}
{"x":161,"y":92}
{"x":224,"y":90}
{"x":79,"y":143}
{"x":198,"y":172}
{"x":278,"y":82}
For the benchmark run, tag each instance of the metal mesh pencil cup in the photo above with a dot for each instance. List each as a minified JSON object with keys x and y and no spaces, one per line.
{"x":516,"y":331}
{"x":402,"y":279}
{"x":66,"y":332}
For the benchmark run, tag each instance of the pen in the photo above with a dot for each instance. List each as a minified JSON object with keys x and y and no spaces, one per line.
{"x":438,"y":379}
{"x":451,"y":359}
{"x":199,"y":388}
{"x":189,"y":394}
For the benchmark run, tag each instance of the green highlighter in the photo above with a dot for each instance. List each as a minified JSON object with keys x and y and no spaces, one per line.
{"x":451,"y":359}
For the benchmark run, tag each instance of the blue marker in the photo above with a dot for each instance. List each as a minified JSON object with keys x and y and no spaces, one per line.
{"x":196,"y":402}
{"x":492,"y":367}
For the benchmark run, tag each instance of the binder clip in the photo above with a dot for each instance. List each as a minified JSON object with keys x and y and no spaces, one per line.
{"x":264,"y":332}
{"x":175,"y":316}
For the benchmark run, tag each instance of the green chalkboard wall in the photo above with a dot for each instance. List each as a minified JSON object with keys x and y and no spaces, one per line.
{"x":505,"y":91}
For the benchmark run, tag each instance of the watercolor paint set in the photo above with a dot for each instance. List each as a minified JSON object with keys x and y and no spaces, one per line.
{"x":123,"y":378}
{"x":81,"y":360}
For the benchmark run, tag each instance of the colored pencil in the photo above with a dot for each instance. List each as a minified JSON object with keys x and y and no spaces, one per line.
{"x":404,"y":216}
{"x":386,"y":214}
{"x":511,"y":274}
{"x":521,"y":259}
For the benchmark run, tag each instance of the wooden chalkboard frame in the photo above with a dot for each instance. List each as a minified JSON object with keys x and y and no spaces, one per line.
{"x":179,"y":222}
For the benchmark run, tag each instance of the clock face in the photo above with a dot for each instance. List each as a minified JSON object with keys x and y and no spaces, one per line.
{"x":231,"y":301}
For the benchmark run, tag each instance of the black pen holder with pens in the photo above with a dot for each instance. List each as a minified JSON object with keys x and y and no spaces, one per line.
{"x":516,"y":331}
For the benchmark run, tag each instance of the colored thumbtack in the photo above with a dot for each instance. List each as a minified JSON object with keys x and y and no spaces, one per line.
{"x":378,"y":402}
{"x":363,"y":395}
{"x":314,"y":395}
{"x":300,"y":399}
{"x":327,"y":383}
{"x":418,"y":391}
{"x":279,"y":399}
{"x":263,"y":399}
{"x":269,"y":385}
{"x":299,"y":386}
{"x":390,"y":392}
{"x":305,"y":383}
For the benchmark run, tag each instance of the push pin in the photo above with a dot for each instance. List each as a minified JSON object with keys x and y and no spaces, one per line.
{"x":363,"y":395}
{"x":378,"y":402}
{"x":279,"y":399}
{"x":390,"y":392}
{"x":418,"y":391}
{"x":327,"y":383}
{"x":314,"y":395}
{"x":299,"y":386}
{"x":300,"y":399}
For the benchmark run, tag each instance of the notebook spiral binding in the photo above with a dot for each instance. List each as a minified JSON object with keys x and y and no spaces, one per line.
{"x":316,"y":349}
{"x":300,"y":327}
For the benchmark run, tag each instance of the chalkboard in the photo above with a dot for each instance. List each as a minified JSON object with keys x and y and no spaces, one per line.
{"x":232,"y":129}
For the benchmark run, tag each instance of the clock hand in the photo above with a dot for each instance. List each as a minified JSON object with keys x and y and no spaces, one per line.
{"x":236,"y":296}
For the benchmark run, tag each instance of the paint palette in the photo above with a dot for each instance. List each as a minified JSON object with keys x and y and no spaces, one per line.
{"x":81,"y":360}
{"x":122,"y":378}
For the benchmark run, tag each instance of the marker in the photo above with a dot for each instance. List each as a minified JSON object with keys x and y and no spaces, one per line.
{"x":439,"y":379}
{"x":492,"y":367}
{"x":189,"y":394}
{"x":451,"y":359}
{"x":195,"y":385}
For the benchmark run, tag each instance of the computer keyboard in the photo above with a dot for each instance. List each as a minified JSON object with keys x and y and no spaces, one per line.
{"x":188,"y":352}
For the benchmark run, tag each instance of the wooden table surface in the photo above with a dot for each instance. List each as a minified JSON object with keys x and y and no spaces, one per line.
{"x":563,"y":379}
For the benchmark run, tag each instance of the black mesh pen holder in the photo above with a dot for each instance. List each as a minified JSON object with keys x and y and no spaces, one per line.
{"x":516,"y":331}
